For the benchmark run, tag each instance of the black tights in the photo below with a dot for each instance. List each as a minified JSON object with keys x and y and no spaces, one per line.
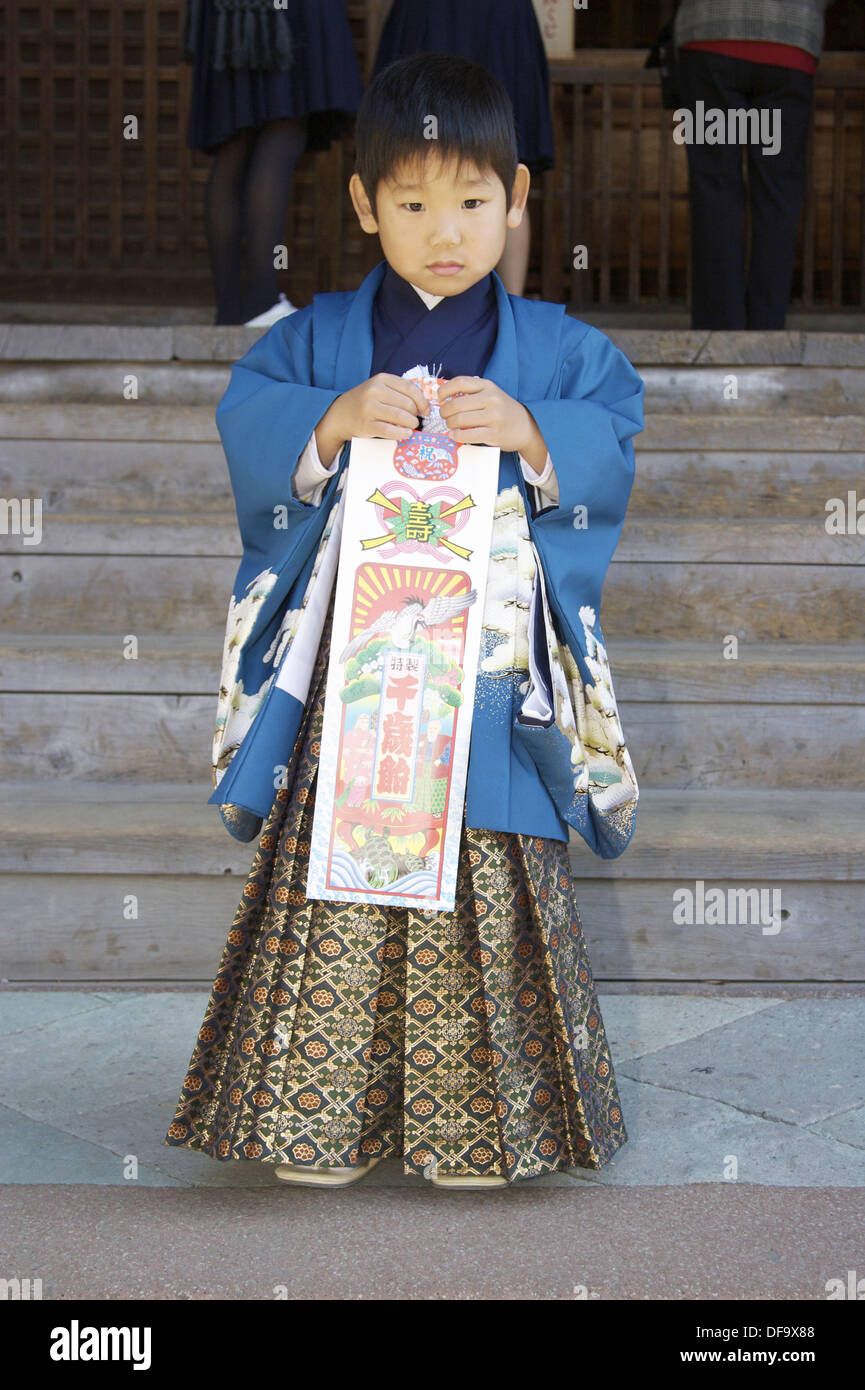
{"x":245,"y":208}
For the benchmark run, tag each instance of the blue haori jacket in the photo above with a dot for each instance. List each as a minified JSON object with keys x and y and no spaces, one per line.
{"x":587,"y":400}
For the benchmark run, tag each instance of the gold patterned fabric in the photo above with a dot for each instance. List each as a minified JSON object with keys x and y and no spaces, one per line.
{"x":466,"y":1042}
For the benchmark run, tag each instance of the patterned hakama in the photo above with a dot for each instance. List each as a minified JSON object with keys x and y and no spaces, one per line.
{"x":468,"y":1042}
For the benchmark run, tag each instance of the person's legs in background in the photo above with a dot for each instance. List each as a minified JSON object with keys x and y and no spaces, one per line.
{"x":717,"y":194}
{"x":223,"y":221}
{"x":776,"y":192}
{"x":277,"y":147}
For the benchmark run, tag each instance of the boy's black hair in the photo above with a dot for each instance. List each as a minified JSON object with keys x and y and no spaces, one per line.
{"x":472,"y":109}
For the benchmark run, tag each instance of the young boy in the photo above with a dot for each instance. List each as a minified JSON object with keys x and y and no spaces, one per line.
{"x":514,"y":1076}
{"x":555,"y":395}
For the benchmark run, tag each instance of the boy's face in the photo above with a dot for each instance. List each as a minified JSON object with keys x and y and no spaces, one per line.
{"x":441,"y":227}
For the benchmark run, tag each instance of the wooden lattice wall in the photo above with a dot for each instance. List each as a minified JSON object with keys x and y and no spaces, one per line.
{"x":90,"y":211}
{"x":91,"y":214}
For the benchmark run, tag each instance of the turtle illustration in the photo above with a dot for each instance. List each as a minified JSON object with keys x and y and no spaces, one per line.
{"x":380,"y":863}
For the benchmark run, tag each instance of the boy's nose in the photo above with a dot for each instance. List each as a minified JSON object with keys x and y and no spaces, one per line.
{"x":446,"y":236}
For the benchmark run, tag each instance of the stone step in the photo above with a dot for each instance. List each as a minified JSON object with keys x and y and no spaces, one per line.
{"x":811,"y":390}
{"x":735,"y":834}
{"x":149,"y":738}
{"x":71,"y":312}
{"x":116,"y":478}
{"x":727,"y":390}
{"x":647,"y":671}
{"x":751,"y":430}
{"x":93,"y":662}
{"x":754,"y":485}
{"x":129,"y":420}
{"x":730,"y":429}
{"x":141,"y":477}
{"x":110,"y":382}
{"x":192,"y":532}
{"x":126,"y":342}
{"x":757,"y":540}
{"x":178,"y":595}
{"x":754,"y":602}
{"x":774,"y":673}
{"x":79,"y":928}
{"x":198,"y":532}
{"x":801,"y":345}
{"x":648,"y":343}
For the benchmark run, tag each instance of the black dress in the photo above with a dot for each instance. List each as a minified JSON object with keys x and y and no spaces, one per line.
{"x":504,"y":36}
{"x":323,"y":82}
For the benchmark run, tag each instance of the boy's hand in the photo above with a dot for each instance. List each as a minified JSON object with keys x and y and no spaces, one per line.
{"x":485,"y":414}
{"x":384,"y":407}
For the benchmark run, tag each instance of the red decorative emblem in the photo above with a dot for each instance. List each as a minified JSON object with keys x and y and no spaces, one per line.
{"x":425,"y":455}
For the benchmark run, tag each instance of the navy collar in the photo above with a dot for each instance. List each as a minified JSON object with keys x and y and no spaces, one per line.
{"x":346,"y":346}
{"x":396,"y":294}
{"x":457,"y":335}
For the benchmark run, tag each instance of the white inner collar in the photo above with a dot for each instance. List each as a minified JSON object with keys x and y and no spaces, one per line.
{"x":430,"y":300}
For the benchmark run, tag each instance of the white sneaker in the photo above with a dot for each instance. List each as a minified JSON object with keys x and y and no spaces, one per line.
{"x":279,"y":310}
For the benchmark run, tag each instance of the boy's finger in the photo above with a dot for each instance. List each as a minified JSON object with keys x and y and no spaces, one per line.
{"x":461,"y":383}
{"x":417,"y":405}
{"x":395,"y":415}
{"x":410,"y":389}
{"x":404,"y":401}
{"x":470,"y":436}
{"x":462,"y":413}
{"x":467,"y":422}
{"x":382,"y":429}
{"x":458,"y":403}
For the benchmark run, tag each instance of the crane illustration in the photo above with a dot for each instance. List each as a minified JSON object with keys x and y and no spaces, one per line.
{"x":401,"y":625}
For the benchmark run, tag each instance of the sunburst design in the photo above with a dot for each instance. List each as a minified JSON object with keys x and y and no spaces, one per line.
{"x":379,"y":587}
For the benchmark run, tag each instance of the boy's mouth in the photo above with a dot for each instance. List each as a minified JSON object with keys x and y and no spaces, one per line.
{"x":445,"y":267}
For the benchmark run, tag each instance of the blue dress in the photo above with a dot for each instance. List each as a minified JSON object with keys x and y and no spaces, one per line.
{"x":323,"y":82}
{"x":504,"y":36}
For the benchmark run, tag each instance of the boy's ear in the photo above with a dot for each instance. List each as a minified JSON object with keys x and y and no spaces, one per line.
{"x":519,"y":194}
{"x":362,"y":205}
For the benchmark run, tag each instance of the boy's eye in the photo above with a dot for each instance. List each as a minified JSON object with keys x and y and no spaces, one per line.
{"x":470,"y":203}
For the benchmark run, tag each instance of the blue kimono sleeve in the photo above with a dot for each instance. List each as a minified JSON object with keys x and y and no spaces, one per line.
{"x":588,"y":421}
{"x":265,"y":418}
{"x":268,"y":411}
{"x":593,"y":410}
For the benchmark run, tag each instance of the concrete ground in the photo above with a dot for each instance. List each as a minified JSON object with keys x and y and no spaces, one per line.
{"x":743,"y":1176}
